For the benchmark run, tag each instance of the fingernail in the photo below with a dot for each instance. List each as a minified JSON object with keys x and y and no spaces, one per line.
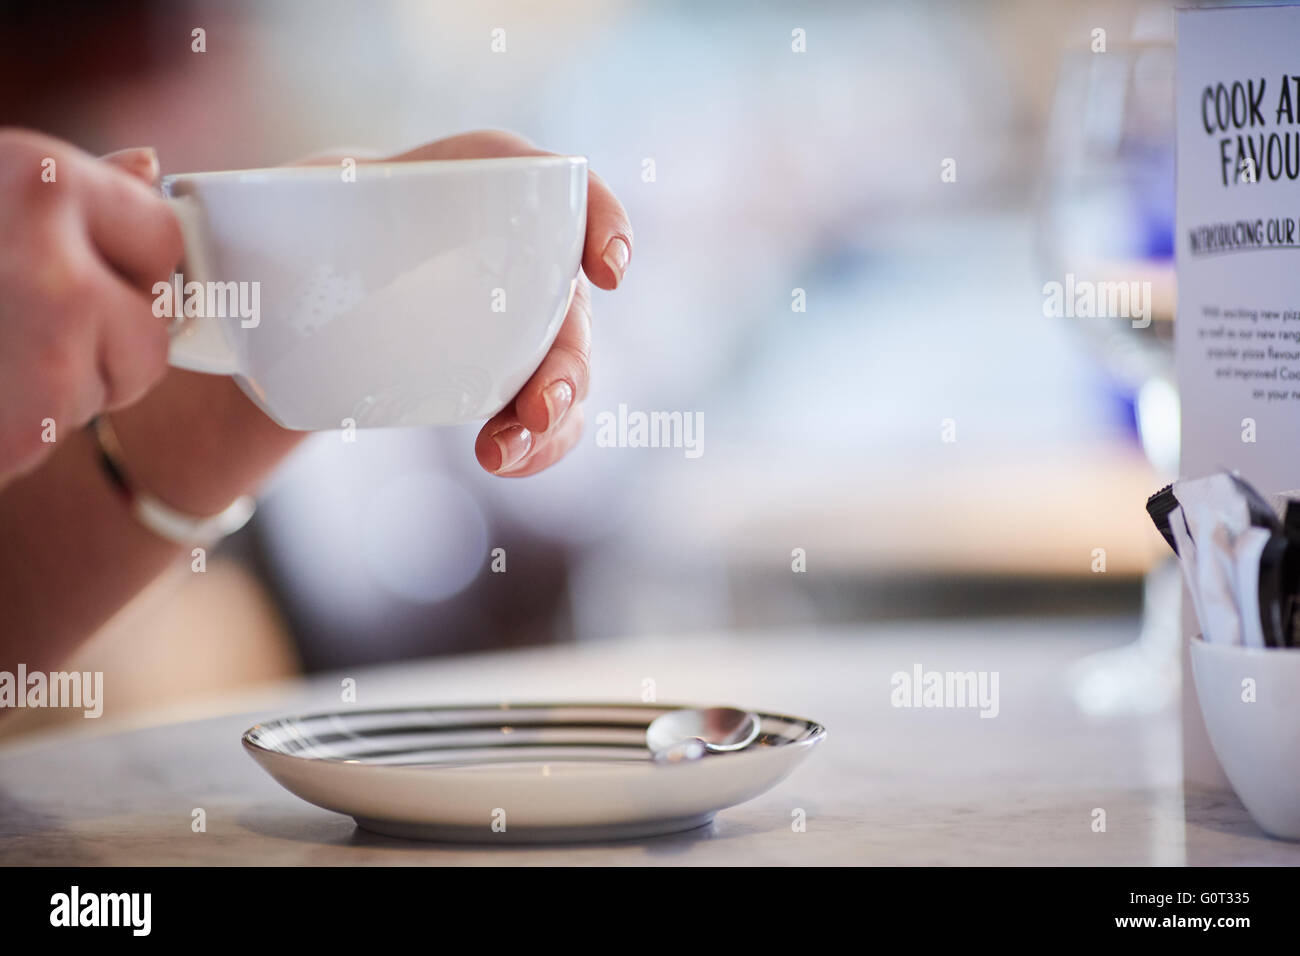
{"x":558,"y":397}
{"x":141,"y":161}
{"x":616,"y":257}
{"x":513,"y":443}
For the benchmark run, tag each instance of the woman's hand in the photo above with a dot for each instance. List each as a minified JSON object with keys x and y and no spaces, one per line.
{"x":83,"y":243}
{"x":545,"y":419}
{"x":195,"y":441}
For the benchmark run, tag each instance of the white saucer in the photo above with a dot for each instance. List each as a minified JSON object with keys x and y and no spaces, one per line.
{"x":516,"y":773}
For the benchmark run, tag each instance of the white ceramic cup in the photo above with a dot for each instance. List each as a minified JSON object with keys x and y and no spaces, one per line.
{"x":394,"y":294}
{"x":1257,"y":742}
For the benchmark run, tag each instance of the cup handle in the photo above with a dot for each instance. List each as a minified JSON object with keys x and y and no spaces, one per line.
{"x":199,"y":345}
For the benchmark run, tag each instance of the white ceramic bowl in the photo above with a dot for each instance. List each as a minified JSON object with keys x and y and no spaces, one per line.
{"x":422,"y":293}
{"x":1257,"y":742}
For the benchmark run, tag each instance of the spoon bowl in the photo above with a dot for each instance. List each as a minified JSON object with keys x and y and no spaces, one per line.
{"x":692,"y":733}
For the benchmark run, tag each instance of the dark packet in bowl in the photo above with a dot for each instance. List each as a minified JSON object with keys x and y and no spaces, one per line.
{"x":1275,"y":602}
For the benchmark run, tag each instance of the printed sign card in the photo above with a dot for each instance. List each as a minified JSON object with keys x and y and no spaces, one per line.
{"x":1237,"y":334}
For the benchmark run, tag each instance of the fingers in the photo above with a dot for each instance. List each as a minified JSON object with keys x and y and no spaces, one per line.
{"x":561,"y":381}
{"x":133,"y":343}
{"x":525,"y":453}
{"x":140,"y":161}
{"x":131,"y":225}
{"x":503,"y":443}
{"x":479,"y":144}
{"x":608,"y":250}
{"x":537,"y":429}
{"x":552,"y":448}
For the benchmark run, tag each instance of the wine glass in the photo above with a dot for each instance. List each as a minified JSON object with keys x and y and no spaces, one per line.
{"x":1106,"y":214}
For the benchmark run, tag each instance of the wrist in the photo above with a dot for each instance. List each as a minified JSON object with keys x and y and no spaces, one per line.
{"x":196,"y":443}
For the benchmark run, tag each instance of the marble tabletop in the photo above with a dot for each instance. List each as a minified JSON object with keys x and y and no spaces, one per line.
{"x":890,"y":785}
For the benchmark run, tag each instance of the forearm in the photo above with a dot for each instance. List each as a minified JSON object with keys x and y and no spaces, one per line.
{"x":72,"y":554}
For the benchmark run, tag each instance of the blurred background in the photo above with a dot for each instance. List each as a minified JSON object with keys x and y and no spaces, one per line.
{"x":934,"y":444}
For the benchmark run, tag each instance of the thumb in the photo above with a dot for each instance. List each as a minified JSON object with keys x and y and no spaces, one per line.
{"x":140,"y":161}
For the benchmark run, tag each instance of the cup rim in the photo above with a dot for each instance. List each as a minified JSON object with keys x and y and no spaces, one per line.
{"x":388,"y":168}
{"x":1199,"y":640}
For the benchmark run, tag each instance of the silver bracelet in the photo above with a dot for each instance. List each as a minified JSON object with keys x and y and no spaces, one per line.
{"x":162,"y":519}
